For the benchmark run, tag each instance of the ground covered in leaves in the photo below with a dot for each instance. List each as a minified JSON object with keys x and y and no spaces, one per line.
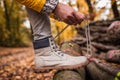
{"x":17,"y":64}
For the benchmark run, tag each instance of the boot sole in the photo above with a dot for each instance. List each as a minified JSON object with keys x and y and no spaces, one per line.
{"x":47,"y":69}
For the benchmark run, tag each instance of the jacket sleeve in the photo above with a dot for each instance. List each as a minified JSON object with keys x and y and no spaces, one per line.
{"x":36,"y":5}
{"x":50,"y":6}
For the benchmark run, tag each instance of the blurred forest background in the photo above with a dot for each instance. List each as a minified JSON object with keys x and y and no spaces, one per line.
{"x":15,"y":30}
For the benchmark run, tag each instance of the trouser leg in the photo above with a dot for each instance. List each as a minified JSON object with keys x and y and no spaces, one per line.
{"x":40,"y":23}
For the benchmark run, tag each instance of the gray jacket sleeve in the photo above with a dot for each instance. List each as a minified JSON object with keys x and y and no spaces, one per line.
{"x":50,"y":6}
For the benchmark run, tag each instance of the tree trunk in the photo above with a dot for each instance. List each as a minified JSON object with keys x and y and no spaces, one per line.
{"x":91,"y":11}
{"x":7,"y":16}
{"x":89,"y":6}
{"x":115,"y":9}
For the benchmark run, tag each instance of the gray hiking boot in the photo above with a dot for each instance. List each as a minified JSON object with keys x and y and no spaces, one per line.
{"x":50,"y":57}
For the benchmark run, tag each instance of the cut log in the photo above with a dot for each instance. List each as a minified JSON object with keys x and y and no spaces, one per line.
{"x":113,"y":56}
{"x":103,"y":47}
{"x":103,"y":70}
{"x":72,"y":48}
{"x":97,"y":74}
{"x":68,"y":75}
{"x":77,"y":74}
{"x":107,"y":67}
{"x":113,"y":32}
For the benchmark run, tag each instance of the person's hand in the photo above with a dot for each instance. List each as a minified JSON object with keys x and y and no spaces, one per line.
{"x":68,"y":15}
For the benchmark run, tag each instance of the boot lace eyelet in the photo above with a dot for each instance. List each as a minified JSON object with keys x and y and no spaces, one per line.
{"x":53,"y":47}
{"x":52,"y":44}
{"x":60,"y":54}
{"x":55,"y":50}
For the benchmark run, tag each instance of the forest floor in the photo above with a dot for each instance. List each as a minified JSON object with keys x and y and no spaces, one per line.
{"x":18,"y":64}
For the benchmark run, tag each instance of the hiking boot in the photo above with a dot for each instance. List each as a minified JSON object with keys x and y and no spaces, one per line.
{"x":48,"y":56}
